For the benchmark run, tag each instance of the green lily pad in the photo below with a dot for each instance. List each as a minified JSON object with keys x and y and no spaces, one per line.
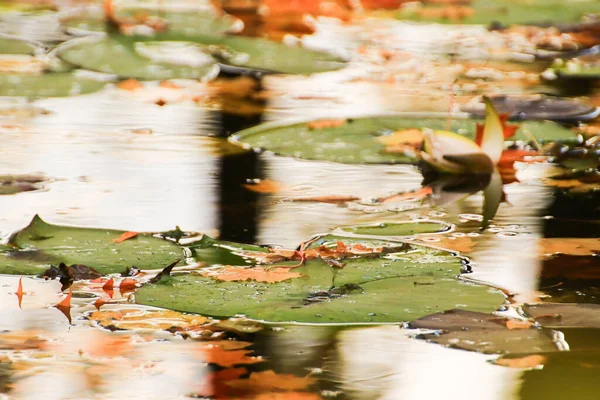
{"x":356,"y":140}
{"x":125,"y":57}
{"x":178,"y":22}
{"x":398,"y":228}
{"x":40,"y":244}
{"x":401,"y":286}
{"x":507,"y":12}
{"x":572,"y":70}
{"x":14,"y":45}
{"x":211,"y":251}
{"x":53,"y":84}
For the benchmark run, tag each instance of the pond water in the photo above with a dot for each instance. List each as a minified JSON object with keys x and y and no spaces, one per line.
{"x":158,"y":157}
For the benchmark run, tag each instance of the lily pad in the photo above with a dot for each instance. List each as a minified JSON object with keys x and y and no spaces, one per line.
{"x":398,"y":228}
{"x":40,"y":244}
{"x":485,"y":333}
{"x":396,"y":287}
{"x":507,"y":12}
{"x":179,"y":23}
{"x":211,"y":251}
{"x":55,"y":84}
{"x":12,"y":184}
{"x":565,"y":315}
{"x":14,"y":45}
{"x":538,"y":107}
{"x":125,"y":57}
{"x":354,"y":141}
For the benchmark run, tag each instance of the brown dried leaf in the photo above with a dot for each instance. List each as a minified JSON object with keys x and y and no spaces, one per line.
{"x":571,"y":246}
{"x":237,"y":274}
{"x":518,"y":324}
{"x":141,"y":319}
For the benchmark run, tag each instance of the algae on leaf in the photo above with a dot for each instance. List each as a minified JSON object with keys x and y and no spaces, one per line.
{"x":40,"y":244}
{"x":392,"y":287}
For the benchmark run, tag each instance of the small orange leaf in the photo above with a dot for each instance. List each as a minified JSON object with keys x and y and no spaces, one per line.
{"x":19,"y":291}
{"x":65,"y":306}
{"x":215,"y":384}
{"x":532,"y":361}
{"x":231,"y":274}
{"x":125,"y":236}
{"x":99,"y":303}
{"x":264,"y":186}
{"x":516,"y":324}
{"x":130,"y":84}
{"x":326,"y":123}
{"x":109,"y":285}
{"x":169,"y":85}
{"x":415,"y":195}
{"x":127,"y":285}
{"x":228,"y":358}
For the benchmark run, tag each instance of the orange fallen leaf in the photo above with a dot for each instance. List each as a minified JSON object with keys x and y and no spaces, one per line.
{"x":516,"y":324}
{"x":326,"y":123}
{"x":232,"y":274}
{"x":65,"y":305}
{"x":287,"y":396}
{"x":109,"y":285}
{"x":269,"y":381}
{"x":327,"y":199}
{"x":228,"y":358}
{"x":99,"y":303}
{"x":130,"y":84}
{"x":19,"y":291}
{"x":413,"y":137}
{"x":264,"y":186}
{"x":124,"y":236}
{"x":415,"y":195}
{"x":532,"y":361}
{"x":127,"y":285}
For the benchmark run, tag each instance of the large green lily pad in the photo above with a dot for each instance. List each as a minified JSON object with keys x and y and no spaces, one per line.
{"x":125,"y":57}
{"x":394,"y":287}
{"x":504,"y":11}
{"x":398,"y":228}
{"x":53,"y":84}
{"x":179,"y":23}
{"x":356,"y":140}
{"x":40,"y":244}
{"x":14,"y":45}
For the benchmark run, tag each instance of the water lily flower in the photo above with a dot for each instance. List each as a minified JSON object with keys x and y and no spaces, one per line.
{"x":449,"y":152}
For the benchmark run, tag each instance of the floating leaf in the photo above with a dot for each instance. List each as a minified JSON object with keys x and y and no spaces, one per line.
{"x":229,"y":273}
{"x":532,"y":361}
{"x":228,"y":358}
{"x":20,"y":292}
{"x":65,"y":306}
{"x":485,"y":333}
{"x":130,"y":318}
{"x":405,"y":228}
{"x":125,"y":236}
{"x":565,"y":315}
{"x":503,"y":11}
{"x":41,"y":244}
{"x":51,"y":84}
{"x":11,"y":184}
{"x":374,"y":287}
{"x":16,"y":45}
{"x":571,"y":246}
{"x":359,"y":139}
{"x":125,"y":57}
{"x":264,"y":186}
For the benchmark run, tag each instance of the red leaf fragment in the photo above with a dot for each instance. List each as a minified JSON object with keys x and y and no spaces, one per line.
{"x":127,"y":285}
{"x":65,"y":306}
{"x":125,"y":236}
{"x":99,"y":303}
{"x":109,"y":285}
{"x":19,"y":292}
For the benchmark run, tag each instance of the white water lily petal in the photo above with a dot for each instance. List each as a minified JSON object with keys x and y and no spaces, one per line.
{"x":438,"y":144}
{"x":492,"y":142}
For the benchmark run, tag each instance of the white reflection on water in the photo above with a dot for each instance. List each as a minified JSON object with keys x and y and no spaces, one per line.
{"x":384,"y":363}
